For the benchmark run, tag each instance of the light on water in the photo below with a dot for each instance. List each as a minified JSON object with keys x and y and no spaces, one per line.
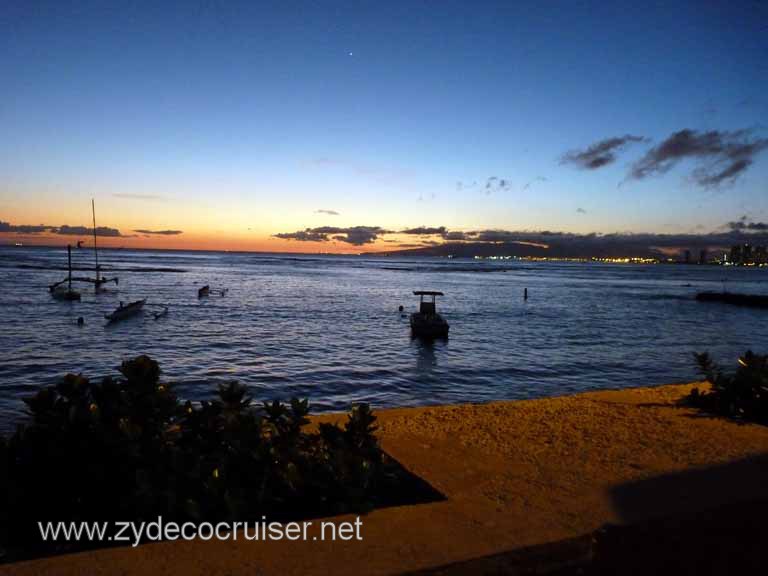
{"x":328,"y":327}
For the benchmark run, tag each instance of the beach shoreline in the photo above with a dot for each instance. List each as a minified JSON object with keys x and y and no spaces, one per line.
{"x":515,"y":474}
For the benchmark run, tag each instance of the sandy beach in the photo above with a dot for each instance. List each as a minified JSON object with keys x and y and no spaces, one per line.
{"x":514,"y":474}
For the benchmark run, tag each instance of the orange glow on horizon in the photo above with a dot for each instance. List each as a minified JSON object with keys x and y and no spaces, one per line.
{"x":193,"y":241}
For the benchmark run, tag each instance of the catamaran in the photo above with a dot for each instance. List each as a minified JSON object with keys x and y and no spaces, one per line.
{"x":61,"y":292}
{"x":67,"y":293}
{"x":97,"y":283}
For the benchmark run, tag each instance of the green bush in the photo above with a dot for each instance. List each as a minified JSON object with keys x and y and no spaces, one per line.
{"x":126,"y":449}
{"x":742,"y":395}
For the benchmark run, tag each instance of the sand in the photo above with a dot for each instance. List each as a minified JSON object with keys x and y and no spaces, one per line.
{"x":515,"y":474}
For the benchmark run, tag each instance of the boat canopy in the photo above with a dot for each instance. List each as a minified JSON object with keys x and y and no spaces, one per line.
{"x":427,"y":293}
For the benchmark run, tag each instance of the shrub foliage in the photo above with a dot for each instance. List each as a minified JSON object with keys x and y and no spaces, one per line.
{"x":127,"y":449}
{"x":742,"y":395}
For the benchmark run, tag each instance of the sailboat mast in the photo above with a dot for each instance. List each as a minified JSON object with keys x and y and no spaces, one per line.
{"x":69,"y":267}
{"x":95,"y":249}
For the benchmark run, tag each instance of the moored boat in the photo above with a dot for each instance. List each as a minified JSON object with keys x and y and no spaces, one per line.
{"x":204,"y":291}
{"x":126,"y":311}
{"x":61,"y":292}
{"x":427,"y":323}
{"x":64,"y":293}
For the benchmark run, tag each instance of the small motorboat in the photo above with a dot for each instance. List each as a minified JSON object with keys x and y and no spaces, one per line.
{"x":427,"y":323}
{"x":204,"y":291}
{"x":125,"y":311}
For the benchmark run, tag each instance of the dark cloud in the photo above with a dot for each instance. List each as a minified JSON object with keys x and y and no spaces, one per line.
{"x":328,"y":212}
{"x":355,"y":235}
{"x":744,"y":225}
{"x":303,"y":236}
{"x":580,"y":211}
{"x":457,"y":235}
{"x":22,"y":228}
{"x":723,"y":155}
{"x":66,"y":230}
{"x":359,"y":235}
{"x":600,"y":153}
{"x":160,"y":232}
{"x":424,"y":231}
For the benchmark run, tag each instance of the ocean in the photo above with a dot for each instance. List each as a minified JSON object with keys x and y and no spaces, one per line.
{"x":328,"y":327}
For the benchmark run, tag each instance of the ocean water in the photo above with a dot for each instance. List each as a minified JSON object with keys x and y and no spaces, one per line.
{"x":328,"y":328}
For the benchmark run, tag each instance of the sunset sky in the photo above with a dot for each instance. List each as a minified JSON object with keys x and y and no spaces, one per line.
{"x":340,"y":125}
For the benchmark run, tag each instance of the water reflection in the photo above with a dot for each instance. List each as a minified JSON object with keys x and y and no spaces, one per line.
{"x":426,"y":361}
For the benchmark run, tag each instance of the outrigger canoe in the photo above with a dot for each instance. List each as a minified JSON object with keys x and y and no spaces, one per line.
{"x":123,"y":312}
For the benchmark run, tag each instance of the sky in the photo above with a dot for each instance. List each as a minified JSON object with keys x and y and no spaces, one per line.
{"x":337,"y":126}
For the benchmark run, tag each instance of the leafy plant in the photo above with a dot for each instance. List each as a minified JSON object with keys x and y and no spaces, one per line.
{"x":126,"y":449}
{"x":742,"y":395}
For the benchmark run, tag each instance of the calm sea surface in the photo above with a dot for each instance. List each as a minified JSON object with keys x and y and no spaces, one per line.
{"x":328,"y":327}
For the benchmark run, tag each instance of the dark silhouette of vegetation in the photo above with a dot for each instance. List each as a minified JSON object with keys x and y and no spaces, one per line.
{"x":742,"y":395}
{"x":127,"y":449}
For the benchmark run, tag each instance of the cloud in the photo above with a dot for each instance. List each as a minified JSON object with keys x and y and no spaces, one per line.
{"x":22,"y":228}
{"x":537,"y":179}
{"x":723,"y":155}
{"x":355,"y":235}
{"x":495,"y":184}
{"x":160,"y":232}
{"x":744,"y":225}
{"x":66,"y":230}
{"x":600,"y":153}
{"x":138,"y":196}
{"x":328,"y":212}
{"x":458,"y":235}
{"x":303,"y":236}
{"x":580,"y":211}
{"x":360,"y":235}
{"x":424,"y":231}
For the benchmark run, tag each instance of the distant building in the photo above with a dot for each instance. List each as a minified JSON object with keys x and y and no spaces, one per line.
{"x":748,"y":254}
{"x":761,"y":255}
{"x":735,"y":254}
{"x":687,"y":256}
{"x":703,"y":256}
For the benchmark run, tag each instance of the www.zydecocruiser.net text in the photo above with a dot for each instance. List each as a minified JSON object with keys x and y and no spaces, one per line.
{"x":134,"y":533}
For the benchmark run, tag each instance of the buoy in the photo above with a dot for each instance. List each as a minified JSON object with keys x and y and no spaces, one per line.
{"x":400,"y":308}
{"x":525,"y":294}
{"x":80,"y":321}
